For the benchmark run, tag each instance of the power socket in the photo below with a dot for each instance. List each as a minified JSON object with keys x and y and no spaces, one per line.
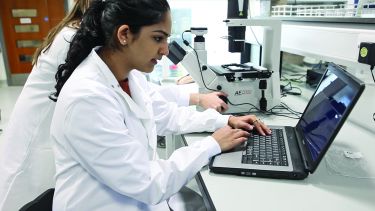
{"x":367,"y":53}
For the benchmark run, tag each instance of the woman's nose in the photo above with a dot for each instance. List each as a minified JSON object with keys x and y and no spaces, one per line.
{"x":164,"y":50}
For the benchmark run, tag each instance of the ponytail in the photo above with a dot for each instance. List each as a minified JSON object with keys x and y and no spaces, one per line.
{"x":87,"y":37}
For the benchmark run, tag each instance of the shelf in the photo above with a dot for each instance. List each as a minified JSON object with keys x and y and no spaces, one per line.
{"x":334,"y":42}
{"x":334,"y":13}
{"x":328,"y":19}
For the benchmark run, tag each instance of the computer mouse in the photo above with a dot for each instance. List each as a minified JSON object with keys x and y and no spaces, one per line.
{"x":224,"y":98}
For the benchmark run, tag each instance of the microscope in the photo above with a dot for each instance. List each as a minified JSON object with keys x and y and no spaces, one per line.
{"x":250,"y":87}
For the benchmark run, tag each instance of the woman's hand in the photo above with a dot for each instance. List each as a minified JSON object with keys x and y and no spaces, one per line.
{"x":248,"y":123}
{"x":228,"y":138}
{"x":212,"y":100}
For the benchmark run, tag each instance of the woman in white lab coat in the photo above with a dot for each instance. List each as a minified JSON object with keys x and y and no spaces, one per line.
{"x":26,"y":161}
{"x":106,"y":117}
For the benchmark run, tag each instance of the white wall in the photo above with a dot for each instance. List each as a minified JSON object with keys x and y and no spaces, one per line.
{"x":215,"y":13}
{"x":210,"y":14}
{"x":329,"y":42}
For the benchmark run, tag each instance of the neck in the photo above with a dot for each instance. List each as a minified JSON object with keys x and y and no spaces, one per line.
{"x":115,"y":62}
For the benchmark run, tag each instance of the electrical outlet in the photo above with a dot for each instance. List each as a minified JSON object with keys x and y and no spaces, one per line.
{"x":367,"y":53}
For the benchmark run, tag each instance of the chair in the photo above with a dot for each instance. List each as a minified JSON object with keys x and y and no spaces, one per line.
{"x":41,"y":203}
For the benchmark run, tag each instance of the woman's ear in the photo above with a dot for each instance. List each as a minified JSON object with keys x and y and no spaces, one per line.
{"x":123,"y":34}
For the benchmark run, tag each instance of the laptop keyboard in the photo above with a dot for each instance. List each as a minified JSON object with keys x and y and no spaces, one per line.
{"x":266,"y":150}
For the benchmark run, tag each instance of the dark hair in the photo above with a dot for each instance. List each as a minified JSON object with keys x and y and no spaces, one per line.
{"x":98,"y":26}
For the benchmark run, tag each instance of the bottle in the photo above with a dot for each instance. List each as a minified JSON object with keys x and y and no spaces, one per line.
{"x":173,"y":71}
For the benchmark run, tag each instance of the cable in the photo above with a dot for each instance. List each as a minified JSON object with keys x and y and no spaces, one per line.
{"x":200,"y":70}
{"x":228,"y":37}
{"x":288,"y":89}
{"x":183,"y":39}
{"x":271,"y":111}
{"x":256,"y":39}
{"x":199,"y":64}
{"x":291,"y":110}
{"x":279,"y":110}
{"x":297,"y":79}
{"x":372,"y":73}
{"x":251,"y":28}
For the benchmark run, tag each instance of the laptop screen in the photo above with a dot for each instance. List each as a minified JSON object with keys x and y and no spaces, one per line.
{"x":327,"y":110}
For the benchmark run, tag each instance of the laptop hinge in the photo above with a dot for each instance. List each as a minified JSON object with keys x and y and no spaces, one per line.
{"x":302,"y":148}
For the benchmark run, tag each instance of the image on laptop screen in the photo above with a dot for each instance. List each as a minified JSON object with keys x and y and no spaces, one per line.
{"x":324,"y":113}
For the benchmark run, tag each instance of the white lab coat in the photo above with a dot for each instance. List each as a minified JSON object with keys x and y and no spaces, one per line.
{"x":179,"y":94}
{"x":27,"y":166}
{"x":105,"y":142}
{"x":26,"y":160}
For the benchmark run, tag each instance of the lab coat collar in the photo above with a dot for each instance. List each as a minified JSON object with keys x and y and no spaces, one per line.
{"x":140,"y":104}
{"x":137,"y":104}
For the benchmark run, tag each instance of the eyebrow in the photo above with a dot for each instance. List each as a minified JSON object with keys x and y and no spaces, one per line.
{"x":163,"y":32}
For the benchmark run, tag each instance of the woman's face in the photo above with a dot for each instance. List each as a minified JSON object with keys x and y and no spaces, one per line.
{"x":150,"y":45}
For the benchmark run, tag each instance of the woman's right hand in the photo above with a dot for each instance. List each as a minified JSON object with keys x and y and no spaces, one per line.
{"x":228,"y":138}
{"x":213,"y":100}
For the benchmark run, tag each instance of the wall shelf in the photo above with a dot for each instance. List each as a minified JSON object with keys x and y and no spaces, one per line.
{"x":329,"y":19}
{"x":334,"y":42}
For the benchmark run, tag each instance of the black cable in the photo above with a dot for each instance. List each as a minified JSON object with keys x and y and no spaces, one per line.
{"x":251,"y":28}
{"x":199,"y":64}
{"x":298,"y":79}
{"x":288,"y":89}
{"x":372,"y":73}
{"x":278,"y":111}
{"x":268,"y":112}
{"x":182,"y":37}
{"x":200,"y":70}
{"x":196,"y":54}
{"x":297,"y":113}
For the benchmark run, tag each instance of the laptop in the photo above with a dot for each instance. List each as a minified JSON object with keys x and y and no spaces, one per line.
{"x":295,"y":152}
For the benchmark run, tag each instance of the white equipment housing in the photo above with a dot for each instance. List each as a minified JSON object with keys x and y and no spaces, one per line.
{"x":244,"y":88}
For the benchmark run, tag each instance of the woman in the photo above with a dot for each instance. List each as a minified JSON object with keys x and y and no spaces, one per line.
{"x":106,"y":118}
{"x":26,"y":160}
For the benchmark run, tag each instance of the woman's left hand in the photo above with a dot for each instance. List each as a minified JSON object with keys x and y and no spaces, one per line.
{"x":248,"y":123}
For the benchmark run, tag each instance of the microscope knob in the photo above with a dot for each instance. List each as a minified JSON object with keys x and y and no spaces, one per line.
{"x":204,"y":67}
{"x":219,"y":87}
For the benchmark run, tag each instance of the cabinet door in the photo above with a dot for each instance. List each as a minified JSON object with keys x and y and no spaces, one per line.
{"x":25,"y":24}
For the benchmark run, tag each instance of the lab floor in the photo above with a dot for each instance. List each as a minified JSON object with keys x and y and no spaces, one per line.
{"x":8,"y":97}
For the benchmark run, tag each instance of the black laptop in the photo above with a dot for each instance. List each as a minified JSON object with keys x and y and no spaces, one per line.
{"x":294,"y":152}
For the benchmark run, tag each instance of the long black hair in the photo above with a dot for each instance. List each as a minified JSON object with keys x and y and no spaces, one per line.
{"x":98,"y":27}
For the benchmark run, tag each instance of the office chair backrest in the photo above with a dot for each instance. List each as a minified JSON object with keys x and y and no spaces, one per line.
{"x":41,"y":203}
